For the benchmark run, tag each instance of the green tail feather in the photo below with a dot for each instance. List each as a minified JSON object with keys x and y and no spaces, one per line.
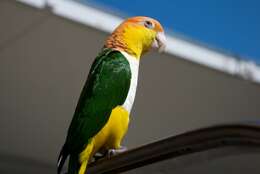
{"x":73,"y":164}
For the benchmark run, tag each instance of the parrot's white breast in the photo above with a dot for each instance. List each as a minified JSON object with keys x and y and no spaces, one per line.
{"x":134,"y":66}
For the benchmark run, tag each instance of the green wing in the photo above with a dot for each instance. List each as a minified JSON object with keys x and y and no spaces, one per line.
{"x":106,"y":87}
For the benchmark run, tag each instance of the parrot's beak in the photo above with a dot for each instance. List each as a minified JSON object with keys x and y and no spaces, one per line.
{"x":159,"y":41}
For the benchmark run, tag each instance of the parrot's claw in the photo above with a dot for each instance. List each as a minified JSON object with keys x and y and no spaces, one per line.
{"x":112,"y":152}
{"x":98,"y":156}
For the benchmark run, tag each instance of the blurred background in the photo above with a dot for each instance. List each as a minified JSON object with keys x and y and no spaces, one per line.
{"x":209,"y":74}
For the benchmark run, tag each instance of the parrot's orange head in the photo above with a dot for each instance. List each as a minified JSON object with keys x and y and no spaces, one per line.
{"x":137,"y":35}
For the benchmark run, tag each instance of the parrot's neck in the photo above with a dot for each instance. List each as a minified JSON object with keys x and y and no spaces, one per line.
{"x":117,"y":42}
{"x":131,"y":40}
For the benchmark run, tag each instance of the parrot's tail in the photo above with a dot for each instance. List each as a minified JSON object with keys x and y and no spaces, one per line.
{"x":74,"y":164}
{"x":62,"y":158}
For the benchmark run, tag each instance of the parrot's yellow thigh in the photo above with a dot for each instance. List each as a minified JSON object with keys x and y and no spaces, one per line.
{"x":118,"y":125}
{"x":111,"y":135}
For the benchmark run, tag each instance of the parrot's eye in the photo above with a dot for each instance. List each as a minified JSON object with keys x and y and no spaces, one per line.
{"x":148,"y":24}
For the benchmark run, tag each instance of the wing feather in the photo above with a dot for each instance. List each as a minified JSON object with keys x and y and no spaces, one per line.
{"x":106,"y":87}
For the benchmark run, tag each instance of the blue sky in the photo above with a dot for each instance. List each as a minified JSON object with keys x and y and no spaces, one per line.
{"x":233,"y":26}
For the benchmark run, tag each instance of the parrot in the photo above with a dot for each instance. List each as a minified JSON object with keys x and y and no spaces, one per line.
{"x":101,"y":117}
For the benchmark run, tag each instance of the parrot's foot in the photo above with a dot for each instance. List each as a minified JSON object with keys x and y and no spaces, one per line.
{"x":112,"y":152}
{"x":98,"y":156}
{"x":108,"y":154}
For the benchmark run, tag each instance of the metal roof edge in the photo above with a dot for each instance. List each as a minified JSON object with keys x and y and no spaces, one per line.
{"x":182,"y":48}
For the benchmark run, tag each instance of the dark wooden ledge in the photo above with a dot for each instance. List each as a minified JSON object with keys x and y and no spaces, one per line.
{"x":229,"y":135}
